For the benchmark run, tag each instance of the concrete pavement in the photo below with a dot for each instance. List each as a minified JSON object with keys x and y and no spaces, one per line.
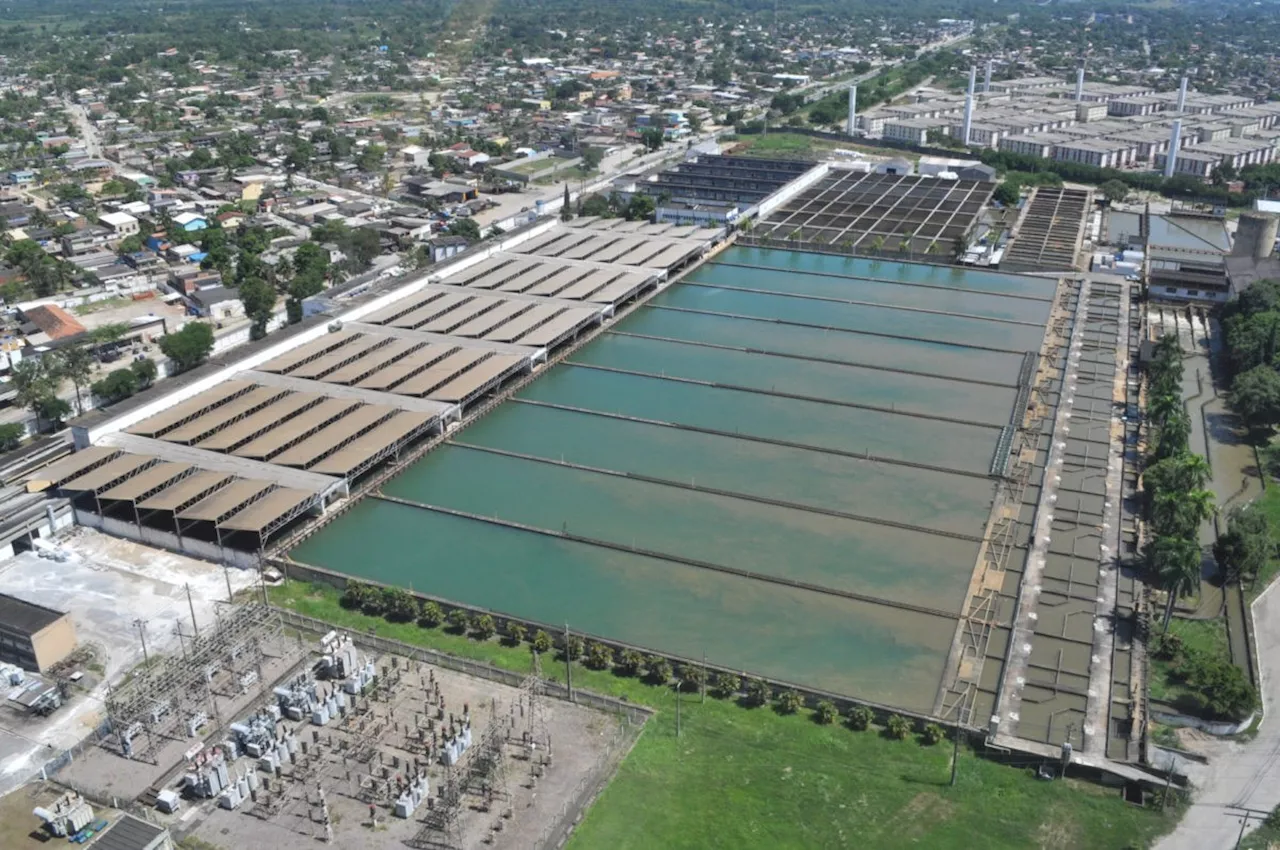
{"x":1239,"y":774}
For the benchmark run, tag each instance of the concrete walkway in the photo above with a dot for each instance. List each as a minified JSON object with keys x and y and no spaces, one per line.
{"x":1238,"y":774}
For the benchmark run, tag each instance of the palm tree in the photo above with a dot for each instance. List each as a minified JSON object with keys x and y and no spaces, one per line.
{"x":1179,"y":513}
{"x":1163,"y":406}
{"x":1174,"y":437}
{"x":1176,"y":563}
{"x":1181,"y":472}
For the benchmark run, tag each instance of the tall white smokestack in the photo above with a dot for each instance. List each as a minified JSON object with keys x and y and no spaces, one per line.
{"x":1171,"y":161}
{"x":1079,"y":84}
{"x":853,"y":110}
{"x":1182,"y":96}
{"x":986,"y":81}
{"x":968,"y":104}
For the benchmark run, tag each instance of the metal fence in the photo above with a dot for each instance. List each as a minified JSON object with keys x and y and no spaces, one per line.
{"x":576,"y":802}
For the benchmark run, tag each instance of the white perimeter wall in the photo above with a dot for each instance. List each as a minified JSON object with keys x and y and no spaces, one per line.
{"x":87,"y":436}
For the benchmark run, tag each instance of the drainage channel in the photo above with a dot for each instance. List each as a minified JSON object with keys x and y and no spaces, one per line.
{"x":854,"y":303}
{"x":1018,"y":296}
{"x":950,"y":420}
{"x":674,"y":559}
{"x":735,"y":435}
{"x":810,"y":358}
{"x":835,"y":328}
{"x":729,"y":494}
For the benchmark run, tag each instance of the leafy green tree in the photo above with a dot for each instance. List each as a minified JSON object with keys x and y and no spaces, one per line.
{"x":11,"y":434}
{"x":542,"y":642}
{"x":76,"y":367}
{"x":189,"y":347}
{"x":690,"y":677}
{"x":657,"y":670}
{"x":860,"y":718}
{"x":652,"y":138}
{"x":726,"y":685}
{"x":1175,"y":562}
{"x":571,"y":648}
{"x":1008,"y":193}
{"x":145,"y":370}
{"x":599,"y":656}
{"x":35,"y":383}
{"x":932,"y":734}
{"x":788,"y":702}
{"x":630,"y":662}
{"x":399,"y":605}
{"x":356,"y":595}
{"x":641,"y":208}
{"x":431,"y":615}
{"x":1245,"y":548}
{"x":109,"y":333}
{"x":515,"y":633}
{"x":116,"y":386}
{"x":1255,"y":395}
{"x":458,"y":621}
{"x":825,"y":712}
{"x":757,"y":692}
{"x":259,"y":300}
{"x":1114,"y":191}
{"x":566,"y":209}
{"x":464,"y":227}
{"x":1179,"y":513}
{"x":483,"y":627}
{"x":897,"y":727}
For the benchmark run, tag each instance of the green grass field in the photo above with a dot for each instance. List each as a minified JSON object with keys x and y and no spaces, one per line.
{"x":1270,"y":504}
{"x":784,"y":145}
{"x":745,"y":778}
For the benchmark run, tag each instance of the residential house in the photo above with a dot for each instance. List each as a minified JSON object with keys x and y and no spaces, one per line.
{"x":190,"y":222}
{"x":121,"y":224}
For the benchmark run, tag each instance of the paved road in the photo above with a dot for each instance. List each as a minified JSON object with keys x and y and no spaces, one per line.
{"x":1239,"y":774}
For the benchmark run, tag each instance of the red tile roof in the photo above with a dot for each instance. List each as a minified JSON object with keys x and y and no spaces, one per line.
{"x":53,"y":320}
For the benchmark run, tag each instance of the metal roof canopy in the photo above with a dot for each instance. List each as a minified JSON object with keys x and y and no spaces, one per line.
{"x":434,"y":306}
{"x":398,"y":308}
{"x":452,"y":341}
{"x":561,"y":280}
{"x":241,"y":467}
{"x":394,"y":373}
{"x":226,"y":500}
{"x":524,"y":323}
{"x":150,"y":480}
{"x":224,"y":414}
{"x":192,"y":407}
{"x":492,"y":319}
{"x":109,"y":473}
{"x":323,"y":345}
{"x":446,"y":370}
{"x":185,"y":491}
{"x":255,"y":423}
{"x":69,"y":467}
{"x":337,"y":358}
{"x":371,"y":362}
{"x":481,"y":268}
{"x":498,"y":276}
{"x":463,"y":313}
{"x":271,"y":508}
{"x":335,"y":436}
{"x":372,"y":446}
{"x":566,"y":322}
{"x":355,"y":393}
{"x":293,"y":431}
{"x":478,"y":378}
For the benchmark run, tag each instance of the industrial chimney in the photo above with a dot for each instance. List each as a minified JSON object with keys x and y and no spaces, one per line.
{"x":1182,"y":96}
{"x":1175,"y":139}
{"x":853,"y":110}
{"x":986,"y":81}
{"x":968,"y":104}
{"x":1080,"y":84}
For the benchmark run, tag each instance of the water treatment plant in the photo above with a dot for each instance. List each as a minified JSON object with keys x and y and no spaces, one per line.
{"x":889,"y":482}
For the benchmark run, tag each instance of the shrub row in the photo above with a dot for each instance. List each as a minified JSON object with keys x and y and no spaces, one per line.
{"x":400,"y":606}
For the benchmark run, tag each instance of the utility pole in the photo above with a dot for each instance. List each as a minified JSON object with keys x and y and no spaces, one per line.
{"x":679,"y":688}
{"x":955,"y":755}
{"x":704,"y":677}
{"x":195,"y":629}
{"x":568,"y":664}
{"x":142,"y":633}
